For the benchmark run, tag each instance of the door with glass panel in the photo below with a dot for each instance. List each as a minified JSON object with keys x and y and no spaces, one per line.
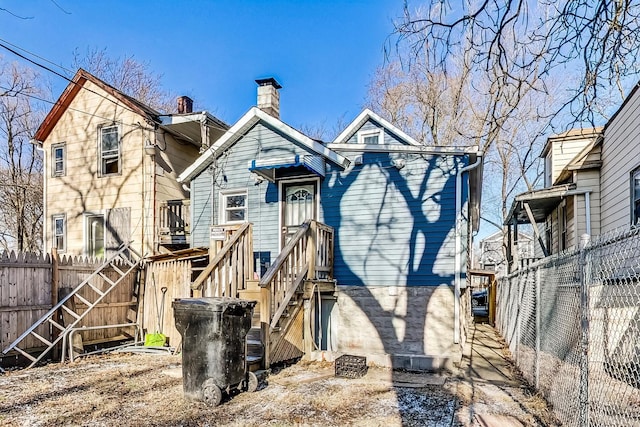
{"x":298,"y":205}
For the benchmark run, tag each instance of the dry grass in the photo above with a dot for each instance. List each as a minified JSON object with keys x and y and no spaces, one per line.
{"x":143,"y":390}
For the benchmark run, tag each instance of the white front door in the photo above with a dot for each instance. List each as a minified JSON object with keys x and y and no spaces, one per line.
{"x":299,"y":205}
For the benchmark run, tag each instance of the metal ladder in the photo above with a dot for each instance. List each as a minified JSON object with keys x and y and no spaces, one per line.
{"x":129,"y":259}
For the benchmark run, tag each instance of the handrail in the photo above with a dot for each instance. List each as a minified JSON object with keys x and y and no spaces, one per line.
{"x":284,"y":254}
{"x":220,"y":256}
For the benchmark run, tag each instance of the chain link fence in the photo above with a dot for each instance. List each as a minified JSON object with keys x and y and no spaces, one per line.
{"x":572,"y":323}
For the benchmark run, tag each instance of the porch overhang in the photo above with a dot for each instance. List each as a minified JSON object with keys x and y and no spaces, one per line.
{"x":534,"y":206}
{"x":282,"y":167}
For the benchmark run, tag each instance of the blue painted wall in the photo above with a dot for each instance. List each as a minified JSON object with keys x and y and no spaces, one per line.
{"x":394,"y":226}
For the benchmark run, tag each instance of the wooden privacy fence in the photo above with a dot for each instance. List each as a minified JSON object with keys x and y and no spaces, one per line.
{"x":31,"y":284}
{"x":25,"y":294}
{"x":175,"y":276}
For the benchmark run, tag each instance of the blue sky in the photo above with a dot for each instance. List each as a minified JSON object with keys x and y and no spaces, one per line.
{"x":323,"y":53}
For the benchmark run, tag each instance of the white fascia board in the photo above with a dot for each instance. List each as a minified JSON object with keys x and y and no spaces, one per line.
{"x":362,"y":118}
{"x":238,"y":130}
{"x":398,"y":148}
{"x":302,"y":138}
{"x":232,"y":135}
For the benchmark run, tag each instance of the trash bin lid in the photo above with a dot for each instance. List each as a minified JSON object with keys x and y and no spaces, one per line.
{"x":212,"y":303}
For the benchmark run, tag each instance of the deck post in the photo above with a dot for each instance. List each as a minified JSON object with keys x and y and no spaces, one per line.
{"x":265,"y":324}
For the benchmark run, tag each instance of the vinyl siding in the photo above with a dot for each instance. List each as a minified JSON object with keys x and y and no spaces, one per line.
{"x":232,"y":173}
{"x":620,"y":156}
{"x":81,"y":190}
{"x":201,"y":206}
{"x":382,"y":214}
{"x":370,"y":125}
{"x":588,"y":180}
{"x":563,"y":151}
{"x":392,"y":226}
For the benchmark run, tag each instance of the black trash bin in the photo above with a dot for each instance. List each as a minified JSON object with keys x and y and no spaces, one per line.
{"x":214,"y":334}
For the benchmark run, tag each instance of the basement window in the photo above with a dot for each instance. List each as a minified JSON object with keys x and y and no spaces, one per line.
{"x":109,"y":150}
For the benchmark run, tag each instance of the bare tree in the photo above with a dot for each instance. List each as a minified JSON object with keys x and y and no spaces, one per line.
{"x":128,"y":75}
{"x":20,"y":163}
{"x":594,"y":44}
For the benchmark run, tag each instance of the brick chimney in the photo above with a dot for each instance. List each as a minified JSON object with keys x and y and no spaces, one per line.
{"x":185,"y":105}
{"x":269,"y":97}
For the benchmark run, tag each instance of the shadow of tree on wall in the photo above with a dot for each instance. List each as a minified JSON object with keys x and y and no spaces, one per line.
{"x":425,"y":224}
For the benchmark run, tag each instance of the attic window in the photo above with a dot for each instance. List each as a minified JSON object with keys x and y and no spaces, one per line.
{"x":109,"y":150}
{"x":371,"y":137}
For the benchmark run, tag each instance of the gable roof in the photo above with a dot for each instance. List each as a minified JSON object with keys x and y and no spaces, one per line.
{"x":241,"y":127}
{"x":362,"y":118}
{"x":75,"y":85}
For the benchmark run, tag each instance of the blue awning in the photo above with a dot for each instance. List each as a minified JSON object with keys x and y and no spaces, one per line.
{"x":276,"y":167}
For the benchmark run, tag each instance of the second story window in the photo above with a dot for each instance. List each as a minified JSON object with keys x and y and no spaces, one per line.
{"x":635,"y":197}
{"x":58,"y":159}
{"x":109,"y":150}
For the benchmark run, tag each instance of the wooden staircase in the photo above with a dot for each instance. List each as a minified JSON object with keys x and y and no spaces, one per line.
{"x":283,"y":293}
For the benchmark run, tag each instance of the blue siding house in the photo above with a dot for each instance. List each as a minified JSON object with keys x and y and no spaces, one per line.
{"x":401,"y":215}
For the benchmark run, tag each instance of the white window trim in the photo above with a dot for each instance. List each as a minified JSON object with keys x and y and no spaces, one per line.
{"x":54,"y":162}
{"x":371,"y":132}
{"x":54,"y":243}
{"x":635,"y":221}
{"x":101,"y":127}
{"x":85,"y":227}
{"x":222,"y":212}
{"x":281,"y":184}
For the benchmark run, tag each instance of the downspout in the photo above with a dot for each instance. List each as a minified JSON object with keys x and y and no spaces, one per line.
{"x":458,"y":245}
{"x":38,"y":145}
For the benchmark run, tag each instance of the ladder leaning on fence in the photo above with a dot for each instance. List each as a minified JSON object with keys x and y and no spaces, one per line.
{"x":125,"y":256}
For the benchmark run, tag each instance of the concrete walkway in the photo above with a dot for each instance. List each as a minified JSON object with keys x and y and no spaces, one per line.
{"x":491,"y":395}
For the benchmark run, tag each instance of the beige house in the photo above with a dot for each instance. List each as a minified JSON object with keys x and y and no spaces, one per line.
{"x":110,"y":169}
{"x":569,"y":205}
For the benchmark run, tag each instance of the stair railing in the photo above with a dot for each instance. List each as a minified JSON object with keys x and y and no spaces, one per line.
{"x":308,"y":255}
{"x":231,"y":267}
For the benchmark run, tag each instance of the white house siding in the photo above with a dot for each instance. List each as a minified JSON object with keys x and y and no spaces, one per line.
{"x":588,"y":180}
{"x":81,"y":190}
{"x":620,"y":156}
{"x":565,"y":150}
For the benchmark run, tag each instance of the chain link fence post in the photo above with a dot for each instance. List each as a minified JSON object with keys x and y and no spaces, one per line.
{"x":538,"y":321}
{"x":584,"y":311}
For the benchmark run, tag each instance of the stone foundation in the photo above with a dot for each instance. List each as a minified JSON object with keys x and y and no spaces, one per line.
{"x":400,"y":327}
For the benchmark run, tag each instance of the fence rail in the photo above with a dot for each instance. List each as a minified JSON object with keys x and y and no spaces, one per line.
{"x":30,"y":285}
{"x":572,"y":322}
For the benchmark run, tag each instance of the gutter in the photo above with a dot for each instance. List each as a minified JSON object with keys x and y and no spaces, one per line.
{"x":458,"y":245}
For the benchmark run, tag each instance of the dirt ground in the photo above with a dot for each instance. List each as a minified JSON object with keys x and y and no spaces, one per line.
{"x":146,"y":390}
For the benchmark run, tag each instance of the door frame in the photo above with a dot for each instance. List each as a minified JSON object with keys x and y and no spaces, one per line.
{"x":299,"y":180}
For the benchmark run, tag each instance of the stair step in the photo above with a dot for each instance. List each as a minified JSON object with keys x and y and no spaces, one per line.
{"x":254,"y":334}
{"x":253,"y":359}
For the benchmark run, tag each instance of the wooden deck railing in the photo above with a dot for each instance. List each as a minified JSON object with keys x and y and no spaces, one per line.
{"x":231,"y":267}
{"x":173,"y":222}
{"x":308,"y":255}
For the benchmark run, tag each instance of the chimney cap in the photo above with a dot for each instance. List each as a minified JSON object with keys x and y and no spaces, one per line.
{"x":269,"y":81}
